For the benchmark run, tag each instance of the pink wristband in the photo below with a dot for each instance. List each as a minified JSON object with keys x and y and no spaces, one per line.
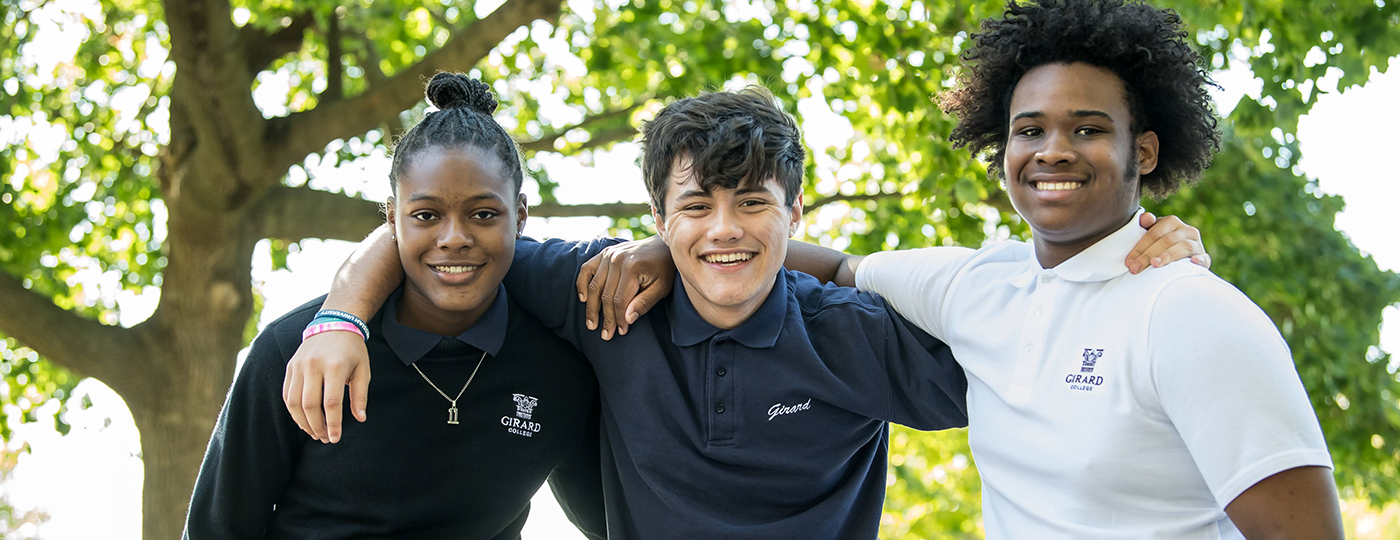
{"x":330,"y":327}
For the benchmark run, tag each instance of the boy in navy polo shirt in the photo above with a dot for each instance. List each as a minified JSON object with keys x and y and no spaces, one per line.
{"x":477,"y":401}
{"x":751,"y":403}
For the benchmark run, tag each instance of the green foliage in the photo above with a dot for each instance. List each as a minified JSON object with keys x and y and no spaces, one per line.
{"x":80,"y":193}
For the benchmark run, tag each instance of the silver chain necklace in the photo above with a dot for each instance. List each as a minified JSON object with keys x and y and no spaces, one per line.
{"x":451,"y":411}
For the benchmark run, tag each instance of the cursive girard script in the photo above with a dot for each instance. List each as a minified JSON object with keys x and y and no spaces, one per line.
{"x":778,"y":409}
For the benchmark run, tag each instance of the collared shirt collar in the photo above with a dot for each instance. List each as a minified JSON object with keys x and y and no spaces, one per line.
{"x":759,"y":331}
{"x":410,"y":344}
{"x":1100,"y":262}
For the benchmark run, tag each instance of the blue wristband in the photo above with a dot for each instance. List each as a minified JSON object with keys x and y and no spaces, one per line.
{"x":343,"y":316}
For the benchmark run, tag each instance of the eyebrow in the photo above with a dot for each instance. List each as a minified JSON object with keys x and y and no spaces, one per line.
{"x":753,"y":189}
{"x":692,"y":194}
{"x":1076,"y":114}
{"x":434,"y":198}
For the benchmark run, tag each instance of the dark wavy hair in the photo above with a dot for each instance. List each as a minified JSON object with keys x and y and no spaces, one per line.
{"x":733,"y":139}
{"x":463,"y":119}
{"x":1166,"y":87}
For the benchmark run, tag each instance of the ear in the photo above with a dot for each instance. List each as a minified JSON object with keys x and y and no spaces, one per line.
{"x":1147,"y":148}
{"x":389,"y":216}
{"x":795,"y":220}
{"x":522,"y":213}
{"x":660,"y":225}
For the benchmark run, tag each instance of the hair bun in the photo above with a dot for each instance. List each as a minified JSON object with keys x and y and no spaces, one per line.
{"x":455,"y":90}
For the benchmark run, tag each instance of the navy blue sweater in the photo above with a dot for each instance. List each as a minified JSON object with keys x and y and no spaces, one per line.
{"x":405,"y":473}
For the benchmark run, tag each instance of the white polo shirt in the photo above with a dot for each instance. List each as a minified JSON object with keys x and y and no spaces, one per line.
{"x":1104,"y":404}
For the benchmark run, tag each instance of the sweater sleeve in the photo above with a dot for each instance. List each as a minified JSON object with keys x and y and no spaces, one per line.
{"x":249,"y":460}
{"x":577,"y":483}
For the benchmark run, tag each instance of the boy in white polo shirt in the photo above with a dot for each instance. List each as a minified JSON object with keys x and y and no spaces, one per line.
{"x":1104,"y":404}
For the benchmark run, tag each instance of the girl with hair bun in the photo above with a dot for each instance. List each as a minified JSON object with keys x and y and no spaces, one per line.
{"x":476,"y":403}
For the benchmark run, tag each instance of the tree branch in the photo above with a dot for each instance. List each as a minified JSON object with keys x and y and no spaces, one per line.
{"x":335,"y":83}
{"x":264,"y":47}
{"x":995,"y":199}
{"x":546,"y":143}
{"x":291,"y":214}
{"x":370,"y":61}
{"x":823,"y":201}
{"x":289,"y":139}
{"x":85,"y":347}
{"x":617,"y":209}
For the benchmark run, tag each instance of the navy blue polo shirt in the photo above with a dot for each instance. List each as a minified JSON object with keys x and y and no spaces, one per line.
{"x":776,"y":428}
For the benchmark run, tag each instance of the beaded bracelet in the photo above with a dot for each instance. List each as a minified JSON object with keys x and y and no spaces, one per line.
{"x":343,"y":316}
{"x":330,"y":327}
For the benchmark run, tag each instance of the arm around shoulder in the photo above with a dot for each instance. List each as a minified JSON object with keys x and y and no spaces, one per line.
{"x":914,"y":282}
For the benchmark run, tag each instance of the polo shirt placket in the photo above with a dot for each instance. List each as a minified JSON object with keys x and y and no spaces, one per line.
{"x":721,"y":356}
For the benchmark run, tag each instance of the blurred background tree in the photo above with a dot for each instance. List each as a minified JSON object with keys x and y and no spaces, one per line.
{"x":145,"y":162}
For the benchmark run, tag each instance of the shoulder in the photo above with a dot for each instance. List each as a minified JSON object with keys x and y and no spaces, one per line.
{"x":281,"y":337}
{"x":1183,"y":281}
{"x":525,"y":329}
{"x":831,"y":310}
{"x":1184,"y":297}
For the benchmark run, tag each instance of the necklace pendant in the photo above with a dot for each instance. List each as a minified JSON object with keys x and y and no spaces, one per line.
{"x":452,"y":416}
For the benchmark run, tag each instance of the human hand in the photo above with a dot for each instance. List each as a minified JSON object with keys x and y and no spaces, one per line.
{"x":1168,"y":239}
{"x":631,"y":276}
{"x":316,"y":378}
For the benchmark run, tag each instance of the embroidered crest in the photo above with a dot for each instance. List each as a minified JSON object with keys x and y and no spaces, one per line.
{"x":525,"y":405}
{"x":1091,"y":357}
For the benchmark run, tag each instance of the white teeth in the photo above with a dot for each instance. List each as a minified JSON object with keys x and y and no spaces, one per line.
{"x":456,"y":269}
{"x":724,"y":258}
{"x":1058,"y":186}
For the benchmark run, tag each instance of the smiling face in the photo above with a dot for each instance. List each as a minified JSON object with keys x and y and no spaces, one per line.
{"x":728,"y":244}
{"x":1072,"y":159}
{"x":456,"y":217}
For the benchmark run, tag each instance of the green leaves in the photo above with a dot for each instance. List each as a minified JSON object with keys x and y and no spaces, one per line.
{"x":86,"y":135}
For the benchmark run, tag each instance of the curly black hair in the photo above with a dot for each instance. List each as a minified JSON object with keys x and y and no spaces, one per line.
{"x":463,"y":119}
{"x":1166,"y":87}
{"x":734,"y":139}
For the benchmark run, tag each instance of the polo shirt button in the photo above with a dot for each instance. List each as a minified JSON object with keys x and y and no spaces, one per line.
{"x":720,"y":372}
{"x":719,"y":408}
{"x":1038,"y":311}
{"x":1028,"y":348}
{"x":1045,"y":279}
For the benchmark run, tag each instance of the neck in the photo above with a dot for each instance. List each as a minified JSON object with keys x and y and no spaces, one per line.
{"x":416,"y":311}
{"x":728,"y":317}
{"x":1052,"y":253}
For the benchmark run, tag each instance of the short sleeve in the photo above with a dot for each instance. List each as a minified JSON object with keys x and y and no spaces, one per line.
{"x":928,"y":389}
{"x":915,"y":282}
{"x":541,"y":281}
{"x":1226,"y":380}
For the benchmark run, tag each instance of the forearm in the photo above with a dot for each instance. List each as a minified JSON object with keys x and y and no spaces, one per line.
{"x":368,"y":277}
{"x":825,"y":264}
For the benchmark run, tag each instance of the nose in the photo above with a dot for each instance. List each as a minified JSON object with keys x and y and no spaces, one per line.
{"x":725,"y":227}
{"x":1057,"y":149}
{"x":454,"y":235}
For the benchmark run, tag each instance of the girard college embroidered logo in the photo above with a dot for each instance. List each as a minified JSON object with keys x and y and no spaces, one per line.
{"x":1085,"y":380}
{"x":520,"y":424}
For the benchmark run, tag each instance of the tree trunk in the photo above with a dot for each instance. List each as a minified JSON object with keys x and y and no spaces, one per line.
{"x":206,"y":301}
{"x":175,"y":424}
